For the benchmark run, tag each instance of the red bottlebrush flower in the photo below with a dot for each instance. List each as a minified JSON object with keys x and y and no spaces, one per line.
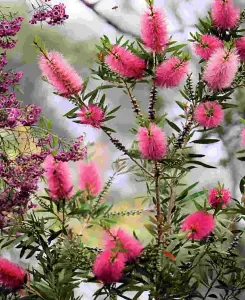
{"x":224,"y":14}
{"x":243,"y":137}
{"x":126,"y":63}
{"x":221,"y":69}
{"x":209,"y":114}
{"x":92,"y":115}
{"x":152,"y":142}
{"x":207,"y":46}
{"x":58,"y":178}
{"x":154,"y":30}
{"x":199,"y":225}
{"x":122,"y":239}
{"x":240,"y":46}
{"x":89,"y":178}
{"x":171,"y":72}
{"x":60,"y":74}
{"x":219,"y":196}
{"x":109,"y":266}
{"x":12,"y":276}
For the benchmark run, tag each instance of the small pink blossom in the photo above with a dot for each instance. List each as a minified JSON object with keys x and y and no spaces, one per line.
{"x":89,"y":178}
{"x":243,"y":137}
{"x":209,"y":114}
{"x":207,"y":46}
{"x":126,"y":63}
{"x":154,"y":29}
{"x":221,"y":69}
{"x":91,"y":115}
{"x":218,"y":196}
{"x":12,"y":276}
{"x":60,"y":74}
{"x":124,"y":240}
{"x":58,"y":178}
{"x":198,"y":225}
{"x":224,"y":14}
{"x":240,"y":46}
{"x":108,"y":266}
{"x":171,"y":72}
{"x":152,"y":142}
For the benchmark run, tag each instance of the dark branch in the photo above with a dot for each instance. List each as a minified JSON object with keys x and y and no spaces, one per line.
{"x":107,"y":20}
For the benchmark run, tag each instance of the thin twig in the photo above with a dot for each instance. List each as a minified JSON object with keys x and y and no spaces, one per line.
{"x":170,"y":205}
{"x":158,"y":205}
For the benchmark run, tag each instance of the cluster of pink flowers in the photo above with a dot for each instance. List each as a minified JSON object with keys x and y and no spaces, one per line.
{"x":120,"y":248}
{"x":91,"y":115}
{"x":198,"y":225}
{"x":219,"y":197}
{"x":209,"y":114}
{"x":89,"y":178}
{"x":9,"y":79}
{"x":152,"y":142}
{"x":8,"y":29}
{"x":207,"y":46}
{"x":58,"y":178}
{"x":55,"y":16}
{"x":60,"y":74}
{"x":171,"y":72}
{"x":12,"y":276}
{"x":224,"y":14}
{"x":154,"y":29}
{"x":126,"y":63}
{"x":221,"y":69}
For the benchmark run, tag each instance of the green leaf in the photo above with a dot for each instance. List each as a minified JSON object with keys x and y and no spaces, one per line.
{"x":181,"y":105}
{"x":195,"y":162}
{"x":71,"y":112}
{"x":114,"y":110}
{"x":107,"y":129}
{"x":185,"y":192}
{"x":173,"y":125}
{"x":206,"y":141}
{"x":242,"y":158}
{"x":242,"y":185}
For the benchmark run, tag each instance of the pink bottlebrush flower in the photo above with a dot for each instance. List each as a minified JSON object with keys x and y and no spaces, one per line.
{"x":152,"y":142}
{"x":199,"y":225}
{"x":224,"y":14}
{"x":12,"y":276}
{"x":207,"y":46}
{"x":60,"y":74}
{"x":58,"y":178}
{"x":243,"y":137}
{"x":109,"y":266}
{"x":218,"y":196}
{"x":154,"y":30}
{"x":122,"y":239}
{"x":171,"y":72}
{"x":221,"y":69}
{"x":240,"y":46}
{"x":92,"y":115}
{"x":126,"y":63}
{"x":89,"y":178}
{"x":209,"y":114}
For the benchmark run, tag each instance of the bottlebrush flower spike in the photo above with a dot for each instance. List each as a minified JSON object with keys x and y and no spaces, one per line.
{"x":152,"y":142}
{"x":209,"y":114}
{"x":171,"y":72}
{"x":108,"y":266}
{"x":60,"y":74}
{"x":125,"y":62}
{"x":207,"y":46}
{"x":12,"y":276}
{"x":224,"y":14}
{"x":58,"y":178}
{"x":154,"y":29}
{"x":199,"y":225}
{"x":89,"y":178}
{"x":240,"y":46}
{"x":221,"y":69}
{"x":91,"y":115}
{"x":243,"y":137}
{"x":219,"y":196}
{"x":124,"y":240}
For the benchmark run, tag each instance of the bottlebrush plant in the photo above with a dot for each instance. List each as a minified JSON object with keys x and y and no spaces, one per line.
{"x":192,"y":254}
